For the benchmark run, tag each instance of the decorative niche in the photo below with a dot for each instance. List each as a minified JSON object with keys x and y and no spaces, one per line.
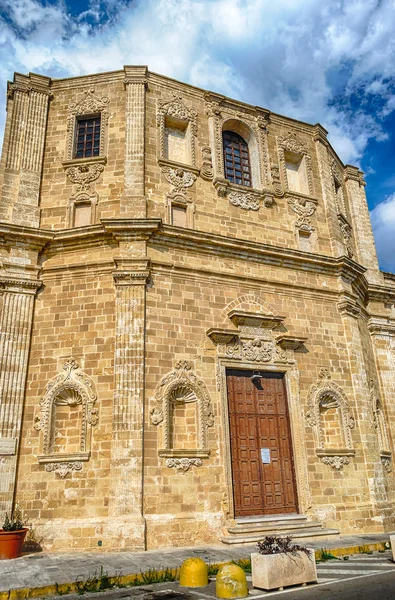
{"x":330,"y":417}
{"x":380,"y":425}
{"x":177,"y":132}
{"x":67,"y":415}
{"x":184,"y":411}
{"x":82,"y":209}
{"x":295,"y":165}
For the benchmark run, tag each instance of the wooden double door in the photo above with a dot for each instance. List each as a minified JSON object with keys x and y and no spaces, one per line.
{"x":261,"y":444}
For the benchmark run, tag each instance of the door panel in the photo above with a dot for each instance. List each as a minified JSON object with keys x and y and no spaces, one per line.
{"x":259,"y":418}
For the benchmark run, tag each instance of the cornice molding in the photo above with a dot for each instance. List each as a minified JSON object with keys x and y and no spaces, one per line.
{"x":380,"y":293}
{"x":154,"y":231}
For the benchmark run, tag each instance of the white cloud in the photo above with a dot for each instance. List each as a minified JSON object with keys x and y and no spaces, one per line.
{"x":304,"y":58}
{"x":383,"y":221}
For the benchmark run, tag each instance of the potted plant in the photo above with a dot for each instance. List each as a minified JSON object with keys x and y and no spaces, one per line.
{"x":12,"y":535}
{"x":280,"y":562}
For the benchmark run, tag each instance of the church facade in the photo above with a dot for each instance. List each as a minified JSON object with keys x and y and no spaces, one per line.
{"x":197,"y":343}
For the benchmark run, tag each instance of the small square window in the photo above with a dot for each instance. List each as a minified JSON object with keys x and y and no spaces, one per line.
{"x":87,"y":137}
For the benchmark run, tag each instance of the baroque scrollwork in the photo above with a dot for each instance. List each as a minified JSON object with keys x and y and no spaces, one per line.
{"x":207,"y":171}
{"x":182,"y":386}
{"x":305,"y":209}
{"x":247,"y":201}
{"x":63,"y":468}
{"x":336,"y":462}
{"x":346,"y":232}
{"x":179,"y":178}
{"x":84,"y":175}
{"x":183,"y":464}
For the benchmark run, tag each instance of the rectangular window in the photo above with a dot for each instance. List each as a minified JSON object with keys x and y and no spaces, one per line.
{"x":87,"y":138}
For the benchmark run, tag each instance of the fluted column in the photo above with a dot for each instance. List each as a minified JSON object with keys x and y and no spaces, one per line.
{"x":23,"y":156}
{"x":134,"y":204}
{"x":15,"y":334}
{"x":127,"y":443}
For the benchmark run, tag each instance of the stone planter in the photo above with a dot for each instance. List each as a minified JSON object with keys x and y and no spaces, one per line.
{"x":272,"y":571}
{"x":11,"y":543}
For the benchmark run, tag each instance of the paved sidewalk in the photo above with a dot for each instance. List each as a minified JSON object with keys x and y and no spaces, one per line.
{"x":37,"y":574}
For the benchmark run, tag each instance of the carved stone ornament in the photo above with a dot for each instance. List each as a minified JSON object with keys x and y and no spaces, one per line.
{"x":89,"y":104}
{"x":180,"y":179}
{"x":183,"y":464}
{"x":322,"y":396}
{"x":336,"y":462}
{"x":247,"y":201}
{"x":346,"y":231}
{"x":387,"y":463}
{"x":182,"y":386}
{"x":276,"y":180}
{"x":207,"y":171}
{"x":291,"y":143}
{"x":305,"y":209}
{"x":63,"y":468}
{"x":177,"y":110}
{"x":72,"y":387}
{"x":84,"y":175}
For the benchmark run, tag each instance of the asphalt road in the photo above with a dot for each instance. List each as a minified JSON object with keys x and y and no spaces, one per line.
{"x":361,"y":577}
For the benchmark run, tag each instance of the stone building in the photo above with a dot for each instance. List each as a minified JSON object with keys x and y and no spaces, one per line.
{"x":197,"y":343}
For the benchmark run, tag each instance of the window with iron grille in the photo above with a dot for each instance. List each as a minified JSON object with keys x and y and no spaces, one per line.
{"x":87,"y":139}
{"x":236,"y":159}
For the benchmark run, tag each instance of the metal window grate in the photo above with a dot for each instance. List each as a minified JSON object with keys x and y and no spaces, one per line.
{"x":87,"y":142}
{"x":236,"y":159}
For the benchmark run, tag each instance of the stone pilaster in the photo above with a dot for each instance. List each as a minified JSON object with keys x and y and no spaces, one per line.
{"x":15,"y":333}
{"x":362,"y":227}
{"x":127,"y":444}
{"x":362,"y":368}
{"x":321,"y":144}
{"x":23,"y":157}
{"x":134,"y":203}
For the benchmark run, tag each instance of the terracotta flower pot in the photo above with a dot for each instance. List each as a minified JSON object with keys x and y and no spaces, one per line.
{"x":11,"y":543}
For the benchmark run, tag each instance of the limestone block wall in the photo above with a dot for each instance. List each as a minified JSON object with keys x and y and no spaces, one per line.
{"x":118,"y":322}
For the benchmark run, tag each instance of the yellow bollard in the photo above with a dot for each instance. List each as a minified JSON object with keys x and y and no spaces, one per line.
{"x":231,"y":582}
{"x":193,"y":573}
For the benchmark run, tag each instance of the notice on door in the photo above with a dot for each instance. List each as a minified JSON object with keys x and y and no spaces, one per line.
{"x":265,"y":456}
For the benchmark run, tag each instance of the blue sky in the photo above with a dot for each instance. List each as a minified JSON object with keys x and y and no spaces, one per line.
{"x":327,"y":61}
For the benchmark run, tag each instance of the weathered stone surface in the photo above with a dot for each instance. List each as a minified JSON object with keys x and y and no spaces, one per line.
{"x":145,"y":254}
{"x":270,"y":571}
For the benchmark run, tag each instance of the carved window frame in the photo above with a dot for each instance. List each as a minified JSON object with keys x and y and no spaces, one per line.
{"x":253,"y":129}
{"x":71,"y":378}
{"x":291,"y":143}
{"x":81,"y":199}
{"x":336,"y":457}
{"x":182,"y":378}
{"x":179,"y":199}
{"x":176,"y":110}
{"x":89,"y":105}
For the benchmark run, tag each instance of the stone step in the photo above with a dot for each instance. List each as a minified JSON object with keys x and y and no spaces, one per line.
{"x":275,"y":526}
{"x":296,"y":534}
{"x":272,"y":519}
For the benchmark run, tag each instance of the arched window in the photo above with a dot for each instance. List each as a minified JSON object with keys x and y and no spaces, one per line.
{"x":236,"y":159}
